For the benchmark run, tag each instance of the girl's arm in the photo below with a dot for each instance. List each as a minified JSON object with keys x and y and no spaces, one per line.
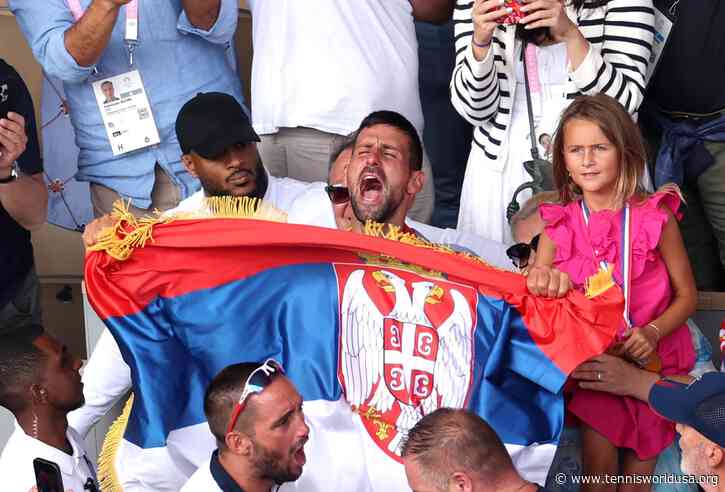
{"x":542,"y":279}
{"x":644,"y":341}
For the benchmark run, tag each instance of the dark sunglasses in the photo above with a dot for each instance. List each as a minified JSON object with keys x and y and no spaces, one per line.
{"x":338,"y":194}
{"x":520,"y":253}
{"x":255,"y":383}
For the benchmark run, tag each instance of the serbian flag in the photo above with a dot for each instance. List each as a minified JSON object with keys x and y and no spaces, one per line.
{"x":374,"y":332}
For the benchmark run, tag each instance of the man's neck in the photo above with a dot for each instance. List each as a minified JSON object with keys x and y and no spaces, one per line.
{"x":49,"y":428}
{"x":243,"y":474}
{"x":396,"y":220}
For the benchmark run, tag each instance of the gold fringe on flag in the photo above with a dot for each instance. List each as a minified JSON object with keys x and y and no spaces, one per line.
{"x":129,"y":232}
{"x":395,"y":233}
{"x":107,"y":476}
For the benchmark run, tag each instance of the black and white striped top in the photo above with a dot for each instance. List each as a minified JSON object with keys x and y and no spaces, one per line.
{"x":620,"y":35}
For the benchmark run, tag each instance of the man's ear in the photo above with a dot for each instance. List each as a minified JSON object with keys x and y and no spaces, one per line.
{"x":38,"y":394}
{"x":416,"y":182}
{"x":715,"y":456}
{"x":188,"y":163}
{"x":238,"y":443}
{"x":460,"y":482}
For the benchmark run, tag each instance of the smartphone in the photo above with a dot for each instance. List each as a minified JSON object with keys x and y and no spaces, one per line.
{"x":515,"y":16}
{"x":47,"y":476}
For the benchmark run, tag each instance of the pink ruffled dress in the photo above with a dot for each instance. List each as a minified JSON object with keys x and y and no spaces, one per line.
{"x":625,"y":422}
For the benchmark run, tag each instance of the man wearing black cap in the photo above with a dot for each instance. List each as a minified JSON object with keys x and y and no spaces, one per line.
{"x":219,"y":148}
{"x":699,"y":410}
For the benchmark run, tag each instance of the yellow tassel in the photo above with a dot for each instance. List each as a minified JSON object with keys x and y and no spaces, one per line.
{"x":130,"y":232}
{"x":232,"y":207}
{"x":600,"y":282}
{"x":395,"y":233}
{"x":107,"y":476}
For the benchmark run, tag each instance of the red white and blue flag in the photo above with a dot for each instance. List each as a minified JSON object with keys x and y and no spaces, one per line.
{"x":375,"y":334}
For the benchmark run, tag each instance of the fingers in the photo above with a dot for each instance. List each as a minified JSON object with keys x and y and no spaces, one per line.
{"x":13,"y":129}
{"x":12,"y":138}
{"x":17,"y":118}
{"x":489,"y":11}
{"x":93,"y":230}
{"x":537,"y":281}
{"x":593,"y":385}
{"x":564,"y":284}
{"x":587,"y":375}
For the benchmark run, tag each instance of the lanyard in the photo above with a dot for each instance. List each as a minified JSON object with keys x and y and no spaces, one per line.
{"x":131,"y":35}
{"x":626,"y":252}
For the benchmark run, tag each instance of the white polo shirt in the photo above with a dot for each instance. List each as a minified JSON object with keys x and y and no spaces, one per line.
{"x":326,"y":64}
{"x":202,"y":480}
{"x":312,"y":207}
{"x":16,"y":462}
{"x":281,"y":194}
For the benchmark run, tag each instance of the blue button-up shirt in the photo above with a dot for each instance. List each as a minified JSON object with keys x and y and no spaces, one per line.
{"x":176,"y":61}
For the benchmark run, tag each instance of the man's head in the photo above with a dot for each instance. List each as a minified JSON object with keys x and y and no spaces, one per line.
{"x":269,"y":434}
{"x":699,"y":410}
{"x":108,"y":90}
{"x":455,"y":450}
{"x":526,"y":226}
{"x":385,"y":168}
{"x":337,"y":182}
{"x":37,"y":372}
{"x":218,"y":146}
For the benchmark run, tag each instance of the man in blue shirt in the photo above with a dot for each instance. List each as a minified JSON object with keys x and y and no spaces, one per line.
{"x":180,"y":49}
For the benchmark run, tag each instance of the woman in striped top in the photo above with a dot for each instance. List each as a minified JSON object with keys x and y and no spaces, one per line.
{"x":581,"y":47}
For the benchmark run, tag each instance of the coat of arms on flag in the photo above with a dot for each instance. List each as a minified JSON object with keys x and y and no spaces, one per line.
{"x":405,"y":347}
{"x":374,"y":332}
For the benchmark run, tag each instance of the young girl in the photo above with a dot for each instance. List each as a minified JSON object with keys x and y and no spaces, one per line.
{"x":608,"y":230}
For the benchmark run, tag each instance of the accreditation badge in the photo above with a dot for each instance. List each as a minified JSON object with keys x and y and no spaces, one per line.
{"x":126,"y":112}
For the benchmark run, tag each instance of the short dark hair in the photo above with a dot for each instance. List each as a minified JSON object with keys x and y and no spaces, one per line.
{"x":347,"y":143}
{"x":450,"y":440}
{"x":222,"y":395}
{"x":106,"y":82}
{"x":400,"y":122}
{"x":20,"y":365}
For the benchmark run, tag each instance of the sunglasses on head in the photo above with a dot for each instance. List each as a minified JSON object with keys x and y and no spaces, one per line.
{"x":255,"y":383}
{"x":520,"y":253}
{"x":338,"y":194}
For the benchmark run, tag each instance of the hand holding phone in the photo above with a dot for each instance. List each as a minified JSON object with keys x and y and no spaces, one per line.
{"x":13,"y":139}
{"x":486,"y":15}
{"x":516,"y":14}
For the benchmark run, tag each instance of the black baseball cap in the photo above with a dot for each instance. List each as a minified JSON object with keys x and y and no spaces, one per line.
{"x":211,"y":122}
{"x":700,"y":404}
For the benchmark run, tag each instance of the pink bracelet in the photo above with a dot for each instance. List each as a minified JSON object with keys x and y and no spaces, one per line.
{"x":481,"y":45}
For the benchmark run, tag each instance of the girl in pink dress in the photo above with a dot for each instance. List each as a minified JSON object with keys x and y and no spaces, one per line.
{"x":598,"y":165}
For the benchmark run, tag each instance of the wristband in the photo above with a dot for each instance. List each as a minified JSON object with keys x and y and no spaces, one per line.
{"x":659,"y":333}
{"x":481,"y":45}
{"x":13,"y":175}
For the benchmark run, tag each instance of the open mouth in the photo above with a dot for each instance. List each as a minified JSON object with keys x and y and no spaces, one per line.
{"x":299,"y":455}
{"x":371,"y":188}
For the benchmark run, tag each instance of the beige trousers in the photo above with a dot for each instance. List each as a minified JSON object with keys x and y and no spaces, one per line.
{"x":164,"y":196}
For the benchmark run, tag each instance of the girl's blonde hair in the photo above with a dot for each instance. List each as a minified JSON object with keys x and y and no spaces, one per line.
{"x":619,"y":128}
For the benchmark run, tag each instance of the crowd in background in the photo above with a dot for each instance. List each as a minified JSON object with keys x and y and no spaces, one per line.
{"x":566,"y":140}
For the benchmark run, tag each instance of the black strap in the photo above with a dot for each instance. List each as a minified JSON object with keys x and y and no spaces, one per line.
{"x":532,"y":131}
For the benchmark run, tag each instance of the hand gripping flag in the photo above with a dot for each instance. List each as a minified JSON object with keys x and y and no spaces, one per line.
{"x":374,"y":332}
